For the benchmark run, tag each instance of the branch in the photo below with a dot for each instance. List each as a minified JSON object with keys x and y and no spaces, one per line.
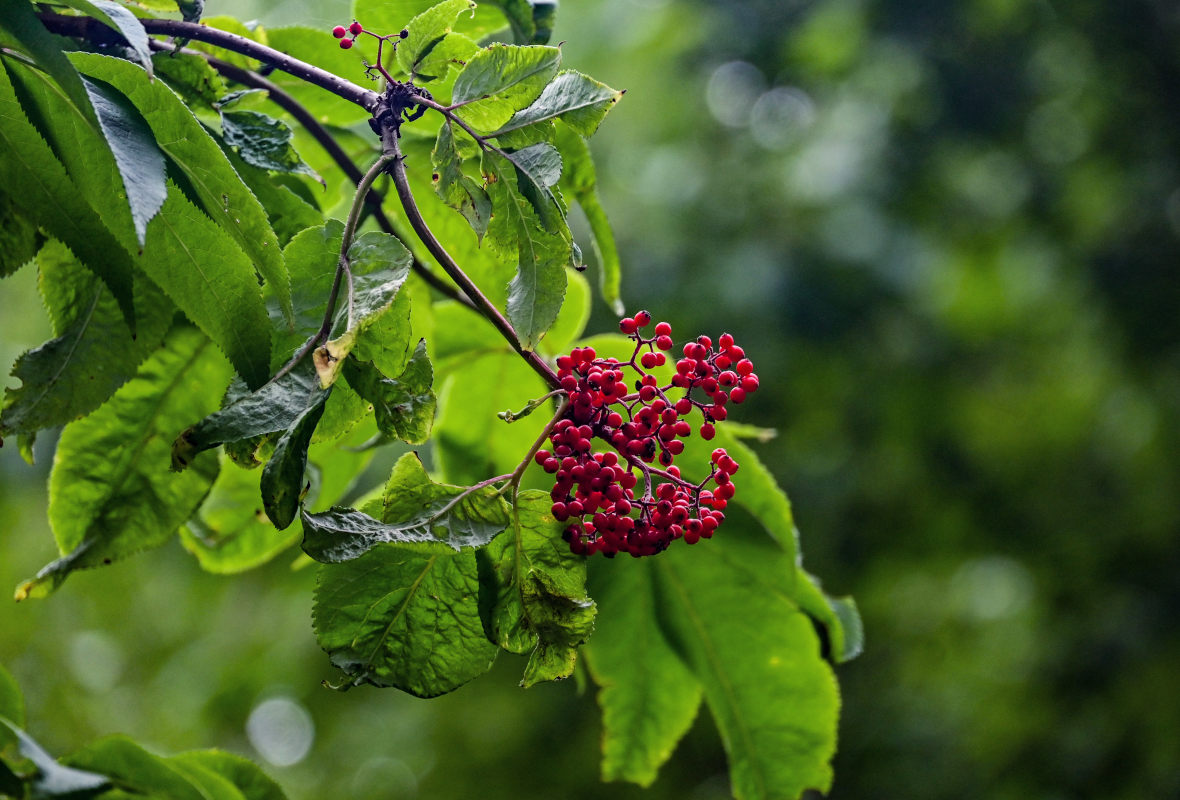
{"x":482,"y":303}
{"x":88,"y":28}
{"x":288,"y":103}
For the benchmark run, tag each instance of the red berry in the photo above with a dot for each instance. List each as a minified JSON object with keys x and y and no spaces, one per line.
{"x":345,"y":44}
{"x":664,"y":341}
{"x":355,"y":28}
{"x":642,"y":318}
{"x":339,"y":32}
{"x":627,"y":325}
{"x":663,"y":329}
{"x":725,"y":342}
{"x":708,"y":431}
{"x":737,"y":394}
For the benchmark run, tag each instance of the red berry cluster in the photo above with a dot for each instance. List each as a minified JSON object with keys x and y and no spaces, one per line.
{"x":643,"y":424}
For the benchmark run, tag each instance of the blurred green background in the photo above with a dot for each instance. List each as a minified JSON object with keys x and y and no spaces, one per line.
{"x":949,"y":236}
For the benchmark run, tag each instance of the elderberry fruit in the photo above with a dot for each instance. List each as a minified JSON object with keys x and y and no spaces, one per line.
{"x":345,"y":43}
{"x":639,"y":426}
{"x":355,"y":28}
{"x":339,"y":32}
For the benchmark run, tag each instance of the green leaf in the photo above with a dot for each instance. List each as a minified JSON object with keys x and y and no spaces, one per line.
{"x":274,"y":407}
{"x":126,"y":24}
{"x":264,"y":142}
{"x":109,"y":493}
{"x":183,"y":139}
{"x":53,"y":779}
{"x":519,"y":14}
{"x":135,"y":770}
{"x":537,"y":602}
{"x":571,"y":320}
{"x":246,"y":776}
{"x":19,"y":238}
{"x":19,"y":23}
{"x":838,"y":616}
{"x":202,"y":270}
{"x":427,"y":30}
{"x":12,"y":702}
{"x":415,"y":511}
{"x":191,"y":77}
{"x":380,"y":265}
{"x":536,"y":292}
{"x":579,"y":180}
{"x":49,"y":199}
{"x":458,"y":190}
{"x":576,"y":99}
{"x":471,"y":442}
{"x":395,"y":617}
{"x":141,"y":165}
{"x":500,"y":80}
{"x":288,"y":213}
{"x":282,"y":477}
{"x":92,"y":356}
{"x":404,"y":405}
{"x":211,"y":785}
{"x":230,"y":533}
{"x":757,"y":656}
{"x":648,"y":696}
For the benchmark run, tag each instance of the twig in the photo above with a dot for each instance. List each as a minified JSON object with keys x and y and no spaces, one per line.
{"x":321,"y":134}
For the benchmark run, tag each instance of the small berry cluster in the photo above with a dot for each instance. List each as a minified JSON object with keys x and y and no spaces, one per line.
{"x":595,"y":492}
{"x":356,"y":29}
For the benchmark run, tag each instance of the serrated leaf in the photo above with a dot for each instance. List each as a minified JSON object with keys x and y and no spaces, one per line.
{"x":536,"y":601}
{"x":500,"y":80}
{"x":458,"y":190}
{"x":427,"y":30}
{"x":288,"y":213}
{"x":757,"y":656}
{"x":839,"y":617}
{"x":135,"y":770}
{"x":579,"y":180}
{"x":223,"y":195}
{"x":415,"y":511}
{"x":404,"y":405}
{"x":118,"y":147}
{"x":191,"y":77}
{"x":272,"y":408}
{"x":92,"y":356}
{"x":129,"y":26}
{"x":536,"y":292}
{"x":19,"y":238}
{"x":395,"y":617}
{"x":246,"y":776}
{"x":647,"y":694}
{"x":571,"y":321}
{"x":109,"y":493}
{"x":49,"y":199}
{"x":212,"y":281}
{"x":576,"y":99}
{"x":19,"y":23}
{"x":282,"y":477}
{"x":53,"y":779}
{"x":264,"y":142}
